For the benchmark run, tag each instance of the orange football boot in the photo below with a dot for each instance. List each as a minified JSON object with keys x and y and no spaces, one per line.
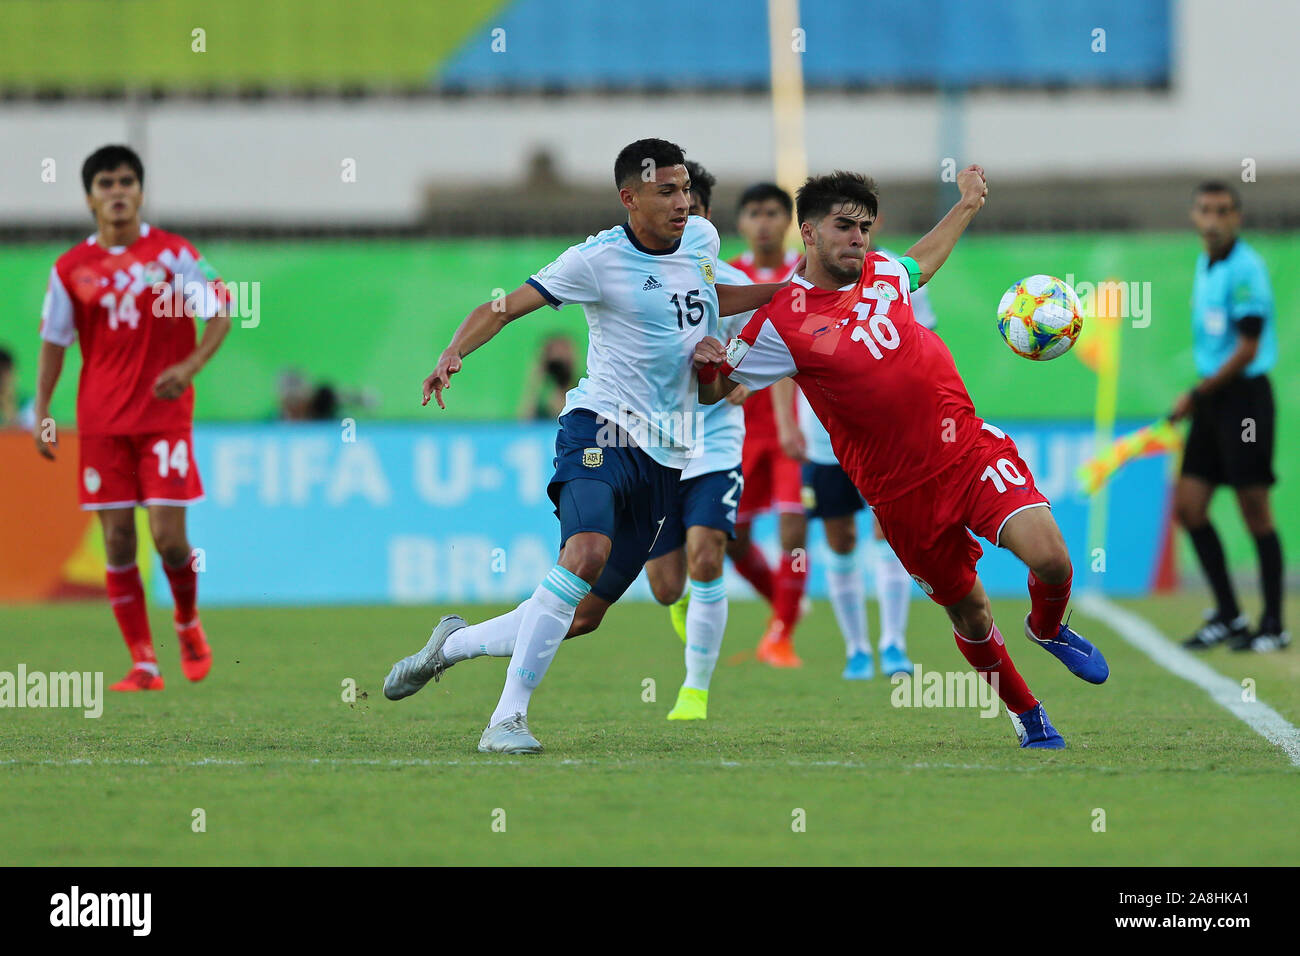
{"x":137,"y":678}
{"x":196,"y":656}
{"x":776,"y":648}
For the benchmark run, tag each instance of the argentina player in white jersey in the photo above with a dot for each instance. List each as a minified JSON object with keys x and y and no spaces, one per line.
{"x":693,"y":543}
{"x":830,"y":495}
{"x":650,"y":295}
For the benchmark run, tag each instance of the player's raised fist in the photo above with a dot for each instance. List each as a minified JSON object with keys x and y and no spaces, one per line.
{"x":974,"y":187}
{"x":708,"y":351}
{"x":448,"y":365}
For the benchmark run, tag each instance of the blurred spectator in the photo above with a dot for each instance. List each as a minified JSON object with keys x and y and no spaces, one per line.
{"x":14,"y":412}
{"x":552,"y":376}
{"x":8,"y":390}
{"x":301,"y":401}
{"x":324,"y":404}
{"x":295,"y":397}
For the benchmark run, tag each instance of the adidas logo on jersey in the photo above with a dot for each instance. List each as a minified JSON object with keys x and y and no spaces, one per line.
{"x":651,"y":283}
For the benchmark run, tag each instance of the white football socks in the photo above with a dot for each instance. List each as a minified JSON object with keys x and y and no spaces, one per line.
{"x":546,"y":619}
{"x":894,"y":591}
{"x":706,"y":620}
{"x":494,"y":637}
{"x":848,"y":599}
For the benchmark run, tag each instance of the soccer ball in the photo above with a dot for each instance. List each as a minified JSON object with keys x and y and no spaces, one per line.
{"x":1040,"y":318}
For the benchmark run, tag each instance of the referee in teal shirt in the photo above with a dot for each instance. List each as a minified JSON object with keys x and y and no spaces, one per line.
{"x":1232,"y":412}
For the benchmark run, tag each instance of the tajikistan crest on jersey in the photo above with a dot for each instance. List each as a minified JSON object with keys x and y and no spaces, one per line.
{"x":884,"y":290}
{"x":706,"y":268}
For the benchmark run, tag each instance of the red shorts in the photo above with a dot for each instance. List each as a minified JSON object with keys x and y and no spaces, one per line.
{"x":772,"y":480}
{"x":122,"y":471}
{"x":927,"y":526}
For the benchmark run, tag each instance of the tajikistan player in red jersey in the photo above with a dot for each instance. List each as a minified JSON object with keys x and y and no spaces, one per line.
{"x":129,"y":293}
{"x":773,"y":479}
{"x":905,"y":430}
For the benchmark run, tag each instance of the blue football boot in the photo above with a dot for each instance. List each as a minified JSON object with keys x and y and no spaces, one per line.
{"x":1074,"y":651}
{"x":1036,"y":731}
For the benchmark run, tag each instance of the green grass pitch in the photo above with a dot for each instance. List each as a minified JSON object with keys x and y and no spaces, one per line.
{"x":287,"y":772}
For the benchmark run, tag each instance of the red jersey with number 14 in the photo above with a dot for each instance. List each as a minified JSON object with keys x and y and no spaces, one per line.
{"x":885,"y":387}
{"x":133,"y":309}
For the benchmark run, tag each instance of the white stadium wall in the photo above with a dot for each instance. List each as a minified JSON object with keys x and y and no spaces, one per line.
{"x":284,"y":159}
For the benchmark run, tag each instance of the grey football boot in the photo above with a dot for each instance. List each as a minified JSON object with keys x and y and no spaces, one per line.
{"x":510,"y":736}
{"x":411,"y":673}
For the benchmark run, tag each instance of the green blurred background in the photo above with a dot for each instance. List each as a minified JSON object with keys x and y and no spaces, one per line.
{"x":376,"y":313}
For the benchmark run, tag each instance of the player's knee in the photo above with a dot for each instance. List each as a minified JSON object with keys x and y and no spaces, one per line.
{"x":1191,"y":514}
{"x":794,"y":532}
{"x":585,"y":558}
{"x":704,"y":558}
{"x":173,"y":551}
{"x":1054,"y":566}
{"x":842,"y":538}
{"x":1259,"y":524}
{"x":1257,"y":515}
{"x":666,"y":591}
{"x":972,"y":616}
{"x":120,"y":544}
{"x":706,"y":567}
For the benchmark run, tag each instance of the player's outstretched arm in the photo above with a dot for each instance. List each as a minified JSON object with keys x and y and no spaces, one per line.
{"x":734,"y":299}
{"x":932,"y":250}
{"x":49,"y":365}
{"x":479,"y":328}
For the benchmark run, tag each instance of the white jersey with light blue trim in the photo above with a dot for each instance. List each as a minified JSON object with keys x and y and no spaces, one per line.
{"x":722,"y":426}
{"x":816,"y":437}
{"x":646,"y":311}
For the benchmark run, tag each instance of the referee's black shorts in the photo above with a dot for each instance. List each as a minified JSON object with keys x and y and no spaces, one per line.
{"x":1231,"y":440}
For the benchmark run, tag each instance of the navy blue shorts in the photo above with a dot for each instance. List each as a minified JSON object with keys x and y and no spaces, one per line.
{"x":604,"y":483}
{"x":708,"y":500}
{"x":828,"y":492}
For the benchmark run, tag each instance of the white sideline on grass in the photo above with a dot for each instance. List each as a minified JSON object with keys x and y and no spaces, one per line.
{"x":1224,"y":691}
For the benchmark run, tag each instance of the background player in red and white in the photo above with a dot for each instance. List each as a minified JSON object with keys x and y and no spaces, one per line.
{"x":905,"y":430}
{"x":773,"y":478}
{"x":129,"y":293}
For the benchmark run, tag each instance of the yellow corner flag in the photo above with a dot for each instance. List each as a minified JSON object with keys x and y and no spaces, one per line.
{"x":1154,"y":439}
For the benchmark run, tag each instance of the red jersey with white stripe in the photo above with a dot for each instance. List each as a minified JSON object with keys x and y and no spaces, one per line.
{"x":760,"y":420}
{"x":132,"y":308}
{"x":885,"y":387}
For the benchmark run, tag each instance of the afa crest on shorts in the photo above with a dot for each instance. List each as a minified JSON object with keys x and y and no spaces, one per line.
{"x":593,"y":457}
{"x":706,"y":268}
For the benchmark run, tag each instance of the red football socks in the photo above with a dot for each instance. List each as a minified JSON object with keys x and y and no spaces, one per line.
{"x":991,"y":659}
{"x":126,"y":597}
{"x":754,"y":569}
{"x":185,"y":591}
{"x":790,"y":580}
{"x":1047,"y":606}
